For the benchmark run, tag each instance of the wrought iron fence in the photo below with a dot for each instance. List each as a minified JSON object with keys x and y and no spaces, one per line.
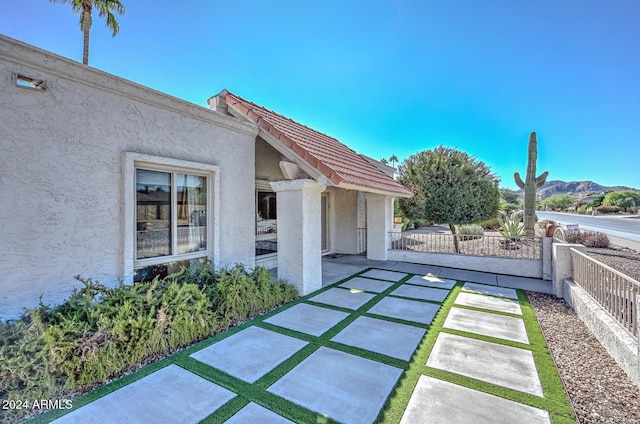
{"x":613,"y":290}
{"x":485,"y":245}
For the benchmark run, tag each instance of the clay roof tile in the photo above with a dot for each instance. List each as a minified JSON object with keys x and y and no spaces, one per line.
{"x":328,"y":155}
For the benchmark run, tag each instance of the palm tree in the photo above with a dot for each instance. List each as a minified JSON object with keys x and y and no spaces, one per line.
{"x":393,"y":159}
{"x":106,"y":9}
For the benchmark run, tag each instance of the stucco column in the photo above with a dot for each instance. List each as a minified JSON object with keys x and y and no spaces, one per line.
{"x":299,"y":233}
{"x":562,"y":266}
{"x":379,"y":224}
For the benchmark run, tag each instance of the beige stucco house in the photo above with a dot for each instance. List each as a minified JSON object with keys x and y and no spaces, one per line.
{"x":105,"y":178}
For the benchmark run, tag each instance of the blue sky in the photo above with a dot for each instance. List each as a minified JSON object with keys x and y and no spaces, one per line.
{"x":393,"y":76}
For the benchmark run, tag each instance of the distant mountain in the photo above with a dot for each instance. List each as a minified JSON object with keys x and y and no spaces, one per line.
{"x":577,"y":188}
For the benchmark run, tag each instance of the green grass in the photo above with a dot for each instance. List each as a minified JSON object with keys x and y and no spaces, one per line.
{"x":555,"y":400}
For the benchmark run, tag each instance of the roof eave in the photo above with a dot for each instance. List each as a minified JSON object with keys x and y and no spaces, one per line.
{"x":348,"y":186}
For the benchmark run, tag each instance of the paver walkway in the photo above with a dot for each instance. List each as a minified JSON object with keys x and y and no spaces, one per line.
{"x":338,"y":354}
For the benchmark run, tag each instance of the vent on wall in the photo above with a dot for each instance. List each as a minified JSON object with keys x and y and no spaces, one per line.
{"x":29,"y":82}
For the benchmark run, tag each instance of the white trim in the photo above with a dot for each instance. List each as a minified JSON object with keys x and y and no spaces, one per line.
{"x":130,"y":162}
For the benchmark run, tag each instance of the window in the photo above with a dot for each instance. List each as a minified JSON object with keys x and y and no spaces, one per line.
{"x":171,"y":220}
{"x":266,"y":223}
{"x":171,"y":213}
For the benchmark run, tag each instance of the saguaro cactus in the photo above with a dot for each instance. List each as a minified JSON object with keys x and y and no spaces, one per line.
{"x":530,"y":185}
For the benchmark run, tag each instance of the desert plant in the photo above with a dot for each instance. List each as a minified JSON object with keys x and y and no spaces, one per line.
{"x":530,"y":185}
{"x":606,"y":209}
{"x":595,"y":239}
{"x":511,"y":227}
{"x":490,"y":224}
{"x":470,"y":231}
{"x":587,"y":238}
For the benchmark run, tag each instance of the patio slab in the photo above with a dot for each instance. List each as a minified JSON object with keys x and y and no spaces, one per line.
{"x":410,"y":268}
{"x":490,"y":290}
{"x":308,"y":319}
{"x":466,"y":275}
{"x":367,"y":284}
{"x":388,"y":338}
{"x":498,"y":364}
{"x":408,"y":310}
{"x":250,"y":353}
{"x":487,"y":324}
{"x":423,"y":293}
{"x":525,"y":283}
{"x":511,"y":306}
{"x":344,"y":387}
{"x":381,"y":274}
{"x":254,"y":413}
{"x":170,"y":395}
{"x":440,"y":402}
{"x":430,"y":280}
{"x":343,"y":298}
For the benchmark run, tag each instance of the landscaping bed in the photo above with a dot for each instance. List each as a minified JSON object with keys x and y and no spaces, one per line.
{"x":600,"y":392}
{"x":101,"y":333}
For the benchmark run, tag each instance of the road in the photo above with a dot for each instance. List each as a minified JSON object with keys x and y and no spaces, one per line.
{"x":615,"y":226}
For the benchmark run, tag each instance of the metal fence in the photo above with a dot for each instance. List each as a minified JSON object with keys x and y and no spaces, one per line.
{"x":486,"y":245}
{"x":613,"y":290}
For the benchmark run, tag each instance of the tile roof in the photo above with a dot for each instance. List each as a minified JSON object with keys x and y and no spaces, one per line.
{"x":340,"y":164}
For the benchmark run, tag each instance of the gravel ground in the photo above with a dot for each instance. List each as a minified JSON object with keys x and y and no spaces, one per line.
{"x":599,"y":390}
{"x":624,"y":260}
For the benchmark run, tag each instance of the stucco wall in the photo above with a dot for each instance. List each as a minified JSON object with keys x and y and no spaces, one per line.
{"x":267,"y":162}
{"x":343,"y":220}
{"x":61,"y":184}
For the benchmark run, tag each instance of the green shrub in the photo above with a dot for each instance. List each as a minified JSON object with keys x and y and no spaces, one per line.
{"x":490,"y":224}
{"x":604,"y":209}
{"x":470,"y":231}
{"x":24,"y":373}
{"x":101,"y":332}
{"x":588,"y":238}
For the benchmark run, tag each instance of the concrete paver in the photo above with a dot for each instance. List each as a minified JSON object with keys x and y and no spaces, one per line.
{"x":254,"y":413}
{"x":309,"y":319}
{"x":344,"y":387}
{"x":388,"y":338}
{"x":429,"y":280}
{"x":343,"y":298}
{"x":423,"y":293}
{"x":250,"y":353}
{"x":487,"y":324}
{"x":409,"y":310}
{"x":439,"y":402}
{"x":410,"y":268}
{"x":490,"y":290}
{"x":505,"y":366}
{"x":525,"y":283}
{"x":366,"y":284}
{"x":384,"y":275}
{"x":466,"y":275}
{"x":511,"y":306}
{"x":170,"y":395}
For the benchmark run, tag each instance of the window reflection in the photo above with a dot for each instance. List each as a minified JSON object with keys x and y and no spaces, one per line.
{"x":153,"y":213}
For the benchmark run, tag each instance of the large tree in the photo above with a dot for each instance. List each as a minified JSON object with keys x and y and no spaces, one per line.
{"x":106,"y":10}
{"x":449,"y":186}
{"x":559,"y":202}
{"x":627,"y":199}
